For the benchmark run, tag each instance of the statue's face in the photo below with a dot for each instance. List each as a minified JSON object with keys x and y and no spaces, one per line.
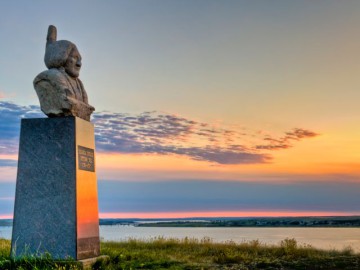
{"x":73,"y":63}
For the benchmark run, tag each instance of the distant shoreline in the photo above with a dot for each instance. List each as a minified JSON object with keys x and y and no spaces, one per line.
{"x":311,"y":222}
{"x":270,"y":222}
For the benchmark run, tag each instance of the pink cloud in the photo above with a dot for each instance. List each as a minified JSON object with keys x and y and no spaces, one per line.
{"x":163,"y":134}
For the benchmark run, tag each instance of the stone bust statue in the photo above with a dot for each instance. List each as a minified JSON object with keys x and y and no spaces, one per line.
{"x":60,"y":91}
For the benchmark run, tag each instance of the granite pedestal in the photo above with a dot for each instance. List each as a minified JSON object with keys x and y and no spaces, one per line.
{"x":56,"y":207}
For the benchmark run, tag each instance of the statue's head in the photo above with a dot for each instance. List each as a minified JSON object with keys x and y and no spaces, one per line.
{"x":62,"y":53}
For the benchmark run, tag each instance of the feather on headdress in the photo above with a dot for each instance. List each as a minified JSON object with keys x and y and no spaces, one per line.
{"x":56,"y":52}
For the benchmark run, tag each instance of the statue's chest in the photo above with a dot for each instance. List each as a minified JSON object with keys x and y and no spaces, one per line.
{"x":75,"y":88}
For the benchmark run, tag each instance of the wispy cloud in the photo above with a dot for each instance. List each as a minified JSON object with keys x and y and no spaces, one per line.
{"x":10,"y":115}
{"x":163,"y":134}
{"x":7,"y":198}
{"x":285,"y":142}
{"x":8,"y":163}
{"x":160,"y":133}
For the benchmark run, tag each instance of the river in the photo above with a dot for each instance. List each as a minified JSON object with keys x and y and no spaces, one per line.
{"x":323,"y":238}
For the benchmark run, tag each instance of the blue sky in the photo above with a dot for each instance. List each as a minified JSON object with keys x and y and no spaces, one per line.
{"x":201,"y":106}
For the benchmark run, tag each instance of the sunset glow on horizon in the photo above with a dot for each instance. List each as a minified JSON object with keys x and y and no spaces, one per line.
{"x":247,"y":214}
{"x":229,"y":214}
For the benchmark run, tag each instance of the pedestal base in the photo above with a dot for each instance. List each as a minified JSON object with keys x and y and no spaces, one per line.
{"x":88,"y":263}
{"x":56,"y":208}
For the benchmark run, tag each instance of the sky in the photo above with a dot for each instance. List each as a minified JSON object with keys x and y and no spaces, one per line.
{"x":204,"y":108}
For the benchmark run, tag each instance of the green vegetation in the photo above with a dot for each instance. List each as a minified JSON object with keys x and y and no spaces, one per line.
{"x":161,"y":253}
{"x":32,"y":262}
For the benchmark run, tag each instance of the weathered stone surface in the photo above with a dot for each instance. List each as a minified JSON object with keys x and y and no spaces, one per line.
{"x":60,"y":91}
{"x":62,"y":95}
{"x":45,"y":206}
{"x":56,"y":207}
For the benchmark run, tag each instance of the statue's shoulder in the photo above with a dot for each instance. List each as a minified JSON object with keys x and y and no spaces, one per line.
{"x":53,"y":75}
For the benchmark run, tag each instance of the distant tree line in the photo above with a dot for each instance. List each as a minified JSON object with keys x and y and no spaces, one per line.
{"x":232,"y":222}
{"x":262,"y":222}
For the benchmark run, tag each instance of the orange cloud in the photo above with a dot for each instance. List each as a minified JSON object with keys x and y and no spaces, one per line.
{"x":296,"y":134}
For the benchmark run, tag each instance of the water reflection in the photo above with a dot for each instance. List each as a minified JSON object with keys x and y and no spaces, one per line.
{"x":324,"y":238}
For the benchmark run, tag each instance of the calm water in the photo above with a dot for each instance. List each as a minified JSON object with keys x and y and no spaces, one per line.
{"x":324,"y":238}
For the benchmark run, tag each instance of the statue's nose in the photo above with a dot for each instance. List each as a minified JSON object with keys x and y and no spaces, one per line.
{"x":78,"y":63}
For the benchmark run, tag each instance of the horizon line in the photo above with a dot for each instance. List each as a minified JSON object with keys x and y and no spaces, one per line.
{"x":218,"y":214}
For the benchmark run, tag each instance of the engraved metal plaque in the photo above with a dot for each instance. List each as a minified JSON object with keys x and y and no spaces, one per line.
{"x":86,"y":159}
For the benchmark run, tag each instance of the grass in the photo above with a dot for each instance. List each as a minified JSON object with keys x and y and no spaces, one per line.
{"x":32,"y":262}
{"x":163,"y":253}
